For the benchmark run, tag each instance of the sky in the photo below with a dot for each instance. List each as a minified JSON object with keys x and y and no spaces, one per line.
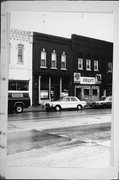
{"x":63,"y":24}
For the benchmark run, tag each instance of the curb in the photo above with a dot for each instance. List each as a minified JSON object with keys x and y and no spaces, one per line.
{"x":40,"y":108}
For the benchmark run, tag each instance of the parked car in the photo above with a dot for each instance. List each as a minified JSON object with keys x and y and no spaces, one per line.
{"x":67,"y":102}
{"x":106,"y":103}
{"x":17,"y":101}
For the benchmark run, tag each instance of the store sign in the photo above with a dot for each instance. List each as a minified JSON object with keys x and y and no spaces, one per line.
{"x":98,"y":78}
{"x":77,"y":77}
{"x":87,"y":80}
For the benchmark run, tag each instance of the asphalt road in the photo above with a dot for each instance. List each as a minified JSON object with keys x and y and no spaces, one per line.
{"x":63,"y":129}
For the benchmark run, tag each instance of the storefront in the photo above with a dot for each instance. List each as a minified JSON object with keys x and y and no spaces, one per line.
{"x":86,"y":88}
{"x":50,"y":88}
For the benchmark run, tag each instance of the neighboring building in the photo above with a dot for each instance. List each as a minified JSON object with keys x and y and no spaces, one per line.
{"x":52,"y":67}
{"x":92,"y":68}
{"x":20,"y":65}
{"x":78,"y":66}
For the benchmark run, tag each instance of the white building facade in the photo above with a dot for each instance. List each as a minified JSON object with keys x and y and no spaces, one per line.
{"x":20,"y":61}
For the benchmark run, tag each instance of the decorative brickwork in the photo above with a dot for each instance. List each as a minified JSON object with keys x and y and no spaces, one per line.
{"x":18,"y":35}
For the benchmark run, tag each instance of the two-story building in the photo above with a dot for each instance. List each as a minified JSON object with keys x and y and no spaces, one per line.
{"x":20,"y":64}
{"x":92,"y":68}
{"x":52,"y":67}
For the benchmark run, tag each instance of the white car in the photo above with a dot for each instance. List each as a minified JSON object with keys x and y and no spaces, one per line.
{"x":68,"y":102}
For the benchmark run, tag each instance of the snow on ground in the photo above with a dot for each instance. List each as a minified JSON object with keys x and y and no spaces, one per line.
{"x":90,"y":155}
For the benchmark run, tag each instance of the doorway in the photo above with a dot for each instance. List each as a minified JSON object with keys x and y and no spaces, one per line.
{"x":78,"y":93}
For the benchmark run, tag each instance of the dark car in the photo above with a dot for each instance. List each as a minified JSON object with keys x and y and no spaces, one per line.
{"x":17,"y":101}
{"x":106,"y":103}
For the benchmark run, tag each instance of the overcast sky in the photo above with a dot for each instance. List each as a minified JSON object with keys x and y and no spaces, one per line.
{"x":95,"y":25}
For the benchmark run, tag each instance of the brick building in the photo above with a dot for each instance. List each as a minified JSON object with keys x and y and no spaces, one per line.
{"x":79,"y":66}
{"x":93,"y":67}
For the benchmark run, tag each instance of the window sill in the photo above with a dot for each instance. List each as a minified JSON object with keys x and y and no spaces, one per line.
{"x":53,"y":68}
{"x":80,"y":69}
{"x":64,"y":69}
{"x":20,"y":63}
{"x":44,"y":67}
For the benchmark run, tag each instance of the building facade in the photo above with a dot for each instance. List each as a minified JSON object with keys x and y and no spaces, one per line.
{"x":52,"y":67}
{"x":92,"y":68}
{"x":20,"y":65}
{"x":79,"y":66}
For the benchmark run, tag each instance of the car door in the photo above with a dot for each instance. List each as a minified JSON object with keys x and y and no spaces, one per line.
{"x":66,"y":103}
{"x":74,"y":102}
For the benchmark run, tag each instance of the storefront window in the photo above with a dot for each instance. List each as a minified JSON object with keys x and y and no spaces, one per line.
{"x":44,"y":92}
{"x":86,"y":91}
{"x":18,"y":85}
{"x":95,"y":92}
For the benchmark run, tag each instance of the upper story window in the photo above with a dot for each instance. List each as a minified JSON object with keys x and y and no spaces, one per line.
{"x":43,"y":58}
{"x":63,"y":61}
{"x":95,"y":65}
{"x":88,"y":64}
{"x":20,"y":53}
{"x":54,"y":60}
{"x":109,"y":67}
{"x":80,"y":63}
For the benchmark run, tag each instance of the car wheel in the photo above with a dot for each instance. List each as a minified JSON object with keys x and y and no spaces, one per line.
{"x":19,"y":108}
{"x":58,"y":108}
{"x":79,"y":107}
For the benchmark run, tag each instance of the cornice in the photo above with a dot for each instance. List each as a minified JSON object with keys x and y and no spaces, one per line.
{"x":20,"y":35}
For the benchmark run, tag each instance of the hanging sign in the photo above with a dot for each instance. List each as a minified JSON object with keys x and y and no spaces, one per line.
{"x":77,"y":77}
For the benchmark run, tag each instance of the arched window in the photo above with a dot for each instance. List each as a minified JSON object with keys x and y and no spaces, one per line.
{"x":53,"y":60}
{"x":43,"y":58}
{"x":63,"y":61}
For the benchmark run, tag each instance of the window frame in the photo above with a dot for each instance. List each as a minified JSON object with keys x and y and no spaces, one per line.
{"x":96,"y":65}
{"x":88,"y":60}
{"x":20,"y":53}
{"x":63,"y":60}
{"x":110,"y":70}
{"x":80,"y":62}
{"x":54,"y":59}
{"x":43,"y":54}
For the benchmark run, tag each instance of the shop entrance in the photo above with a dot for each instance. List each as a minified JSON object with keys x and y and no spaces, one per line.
{"x":78,"y":93}
{"x":55,"y":92}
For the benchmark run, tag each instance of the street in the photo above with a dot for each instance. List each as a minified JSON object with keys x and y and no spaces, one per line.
{"x":60,"y":139}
